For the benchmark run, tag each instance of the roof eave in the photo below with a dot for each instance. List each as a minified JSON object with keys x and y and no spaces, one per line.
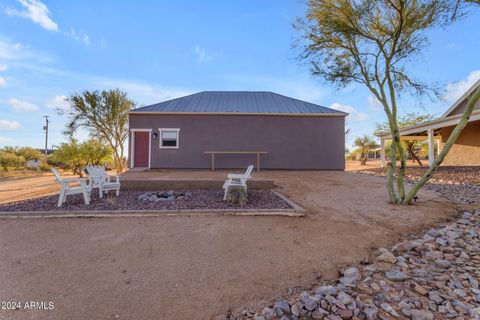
{"x":434,"y":124}
{"x":335,"y":114}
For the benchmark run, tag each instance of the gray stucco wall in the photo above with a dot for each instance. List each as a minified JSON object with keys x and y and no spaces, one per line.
{"x":292,"y":142}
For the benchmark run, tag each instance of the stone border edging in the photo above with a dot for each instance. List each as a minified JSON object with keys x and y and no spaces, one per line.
{"x":296,"y":211}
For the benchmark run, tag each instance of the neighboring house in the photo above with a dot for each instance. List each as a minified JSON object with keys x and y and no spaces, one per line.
{"x":465,"y":151}
{"x":290,"y":133}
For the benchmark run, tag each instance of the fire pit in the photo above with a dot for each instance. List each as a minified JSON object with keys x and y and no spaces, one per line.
{"x":164,"y":196}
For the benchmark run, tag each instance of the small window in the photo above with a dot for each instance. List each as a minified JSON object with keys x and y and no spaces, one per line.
{"x":169,"y":138}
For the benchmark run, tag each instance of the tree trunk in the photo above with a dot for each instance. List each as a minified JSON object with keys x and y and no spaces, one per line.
{"x":363,"y":159}
{"x":403,"y":165}
{"x":391,"y":171}
{"x":237,"y":195}
{"x":118,"y":161}
{"x":415,"y":158}
{"x":411,"y":152}
{"x":448,"y":145}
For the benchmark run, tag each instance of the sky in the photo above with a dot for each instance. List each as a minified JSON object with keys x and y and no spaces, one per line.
{"x":159,"y":50}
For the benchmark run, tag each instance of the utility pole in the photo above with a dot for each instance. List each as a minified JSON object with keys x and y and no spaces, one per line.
{"x":45,"y":128}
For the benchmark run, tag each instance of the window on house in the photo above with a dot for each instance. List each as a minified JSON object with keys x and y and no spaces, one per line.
{"x":169,"y":138}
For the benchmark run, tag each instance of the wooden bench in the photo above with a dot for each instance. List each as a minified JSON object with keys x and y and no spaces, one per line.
{"x":213,"y":153}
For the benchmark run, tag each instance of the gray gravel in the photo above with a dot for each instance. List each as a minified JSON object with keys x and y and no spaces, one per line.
{"x":128,"y":200}
{"x":434,"y":276}
{"x":460,"y":185}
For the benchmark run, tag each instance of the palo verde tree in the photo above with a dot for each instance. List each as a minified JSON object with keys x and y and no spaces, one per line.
{"x":373,"y":42}
{"x":364,"y":144}
{"x":105,"y":115}
{"x":413,"y":147}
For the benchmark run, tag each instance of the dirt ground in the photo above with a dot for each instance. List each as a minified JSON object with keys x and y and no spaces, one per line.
{"x":351,"y":165}
{"x":197,"y":267}
{"x":30,"y":186}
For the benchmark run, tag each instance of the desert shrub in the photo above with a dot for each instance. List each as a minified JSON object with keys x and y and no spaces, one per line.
{"x":9,"y":160}
{"x":30,"y":153}
{"x":44,"y":166}
{"x":76,"y":156}
{"x":353,"y":155}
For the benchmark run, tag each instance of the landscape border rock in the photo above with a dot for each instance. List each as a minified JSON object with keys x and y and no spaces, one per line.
{"x":432,"y":276}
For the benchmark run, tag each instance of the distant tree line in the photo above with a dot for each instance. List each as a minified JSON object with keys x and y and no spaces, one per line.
{"x":104,"y":114}
{"x":69,"y":155}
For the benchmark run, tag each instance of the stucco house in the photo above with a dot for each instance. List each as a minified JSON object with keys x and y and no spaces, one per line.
{"x":232,"y":129}
{"x":465,"y":151}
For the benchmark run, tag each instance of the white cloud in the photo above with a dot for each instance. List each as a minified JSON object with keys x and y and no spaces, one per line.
{"x":202,"y":55}
{"x":9,"y":125}
{"x":455,"y":90}
{"x":79,"y":36}
{"x":86,"y":39}
{"x":18,"y":52}
{"x":22,"y":106}
{"x":58,"y":102}
{"x":374,"y":104}
{"x":3,"y":82}
{"x":143,"y":93}
{"x":3,"y":67}
{"x":9,"y":50}
{"x":36,"y":11}
{"x":353,"y":114}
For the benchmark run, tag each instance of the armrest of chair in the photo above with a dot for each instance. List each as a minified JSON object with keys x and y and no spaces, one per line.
{"x":235,"y":176}
{"x":70,"y":180}
{"x":117,"y":178}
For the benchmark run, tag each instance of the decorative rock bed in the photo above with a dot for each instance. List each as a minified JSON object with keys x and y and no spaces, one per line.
{"x":434,"y":276}
{"x":460,"y":185}
{"x":151,"y":200}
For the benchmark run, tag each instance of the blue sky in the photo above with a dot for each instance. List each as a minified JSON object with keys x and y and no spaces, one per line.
{"x":158,"y":50}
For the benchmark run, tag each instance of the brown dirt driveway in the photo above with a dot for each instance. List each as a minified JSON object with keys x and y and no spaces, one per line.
{"x":197,"y":267}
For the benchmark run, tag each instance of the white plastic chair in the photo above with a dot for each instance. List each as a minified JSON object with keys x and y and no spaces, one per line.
{"x":67,"y":189}
{"x":237,"y":180}
{"x":101,"y":180}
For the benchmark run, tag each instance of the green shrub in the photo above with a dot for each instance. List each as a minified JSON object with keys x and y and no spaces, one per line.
{"x":76,"y":156}
{"x":30,"y":153}
{"x":44,"y":166}
{"x":9,"y":160}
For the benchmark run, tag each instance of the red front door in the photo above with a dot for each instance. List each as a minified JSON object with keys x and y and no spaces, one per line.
{"x":141,"y":152}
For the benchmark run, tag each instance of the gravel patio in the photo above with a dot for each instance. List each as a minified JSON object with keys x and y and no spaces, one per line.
{"x":137,"y":200}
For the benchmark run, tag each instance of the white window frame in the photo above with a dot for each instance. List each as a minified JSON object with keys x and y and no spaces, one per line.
{"x":160,"y":140}
{"x":132,"y":147}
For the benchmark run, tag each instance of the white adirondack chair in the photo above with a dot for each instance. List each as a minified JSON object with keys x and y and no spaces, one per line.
{"x":67,"y":188}
{"x":237,"y":180}
{"x":101,"y":180}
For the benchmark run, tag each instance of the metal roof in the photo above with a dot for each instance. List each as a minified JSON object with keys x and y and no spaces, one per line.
{"x":243,"y":102}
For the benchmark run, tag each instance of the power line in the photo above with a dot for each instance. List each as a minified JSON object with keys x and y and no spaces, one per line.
{"x":45,"y":128}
